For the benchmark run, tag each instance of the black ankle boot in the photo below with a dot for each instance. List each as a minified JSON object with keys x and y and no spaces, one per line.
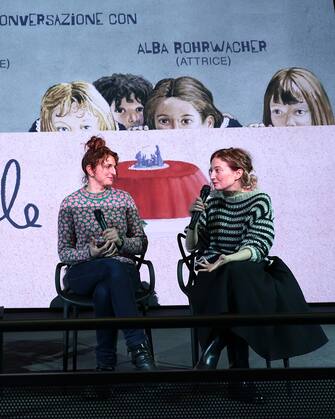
{"x":142,"y":358}
{"x":211,"y":354}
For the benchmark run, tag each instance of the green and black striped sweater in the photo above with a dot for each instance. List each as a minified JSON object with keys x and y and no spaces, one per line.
{"x":235,"y":222}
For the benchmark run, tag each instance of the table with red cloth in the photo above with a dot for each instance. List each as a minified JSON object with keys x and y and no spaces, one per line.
{"x":161,"y":193}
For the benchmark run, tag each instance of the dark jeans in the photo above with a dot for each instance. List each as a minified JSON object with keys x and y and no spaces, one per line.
{"x":111,"y":284}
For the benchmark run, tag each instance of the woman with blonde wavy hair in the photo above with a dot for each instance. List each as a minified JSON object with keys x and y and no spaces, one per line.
{"x":75,"y":107}
{"x":236,"y":275}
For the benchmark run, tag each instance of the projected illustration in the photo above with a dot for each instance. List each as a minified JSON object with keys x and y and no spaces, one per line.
{"x":160,"y":188}
{"x":295,"y":97}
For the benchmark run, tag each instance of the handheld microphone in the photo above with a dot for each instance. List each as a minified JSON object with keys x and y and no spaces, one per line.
{"x":205,"y":191}
{"x":99,"y":216}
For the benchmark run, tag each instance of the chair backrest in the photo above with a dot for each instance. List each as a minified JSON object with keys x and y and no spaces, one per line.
{"x":144,"y":292}
{"x":186,"y":261}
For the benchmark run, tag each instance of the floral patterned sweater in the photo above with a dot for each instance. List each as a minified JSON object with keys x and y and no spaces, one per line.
{"x":77,"y":224}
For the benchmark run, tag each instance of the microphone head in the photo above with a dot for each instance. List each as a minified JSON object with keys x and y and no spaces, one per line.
{"x":205,"y":191}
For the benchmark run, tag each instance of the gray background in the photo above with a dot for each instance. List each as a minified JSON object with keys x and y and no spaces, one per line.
{"x":297,"y":32}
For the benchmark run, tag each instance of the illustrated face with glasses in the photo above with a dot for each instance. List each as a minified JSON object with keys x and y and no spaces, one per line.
{"x":223,"y":177}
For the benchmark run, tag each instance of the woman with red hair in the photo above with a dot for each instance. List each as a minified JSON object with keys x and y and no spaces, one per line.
{"x":102,"y":264}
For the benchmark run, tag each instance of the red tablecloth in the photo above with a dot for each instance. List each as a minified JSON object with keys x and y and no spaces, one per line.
{"x":162,"y":193}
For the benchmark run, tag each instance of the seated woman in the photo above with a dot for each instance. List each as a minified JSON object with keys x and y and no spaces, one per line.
{"x":184,"y":103}
{"x":234,"y":235}
{"x":102,"y":260}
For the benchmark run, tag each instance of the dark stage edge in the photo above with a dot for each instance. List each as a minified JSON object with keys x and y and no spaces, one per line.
{"x":158,"y":310}
{"x":296,"y":393}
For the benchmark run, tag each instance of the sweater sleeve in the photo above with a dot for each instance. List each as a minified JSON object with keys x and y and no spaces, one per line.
{"x":136,"y":241}
{"x":259,"y":234}
{"x":67,"y":250}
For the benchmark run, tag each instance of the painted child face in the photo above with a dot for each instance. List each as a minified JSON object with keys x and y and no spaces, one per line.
{"x":129,"y":114}
{"x":297,"y":114}
{"x":174,"y":113}
{"x":223,"y":177}
{"x":77,"y":120}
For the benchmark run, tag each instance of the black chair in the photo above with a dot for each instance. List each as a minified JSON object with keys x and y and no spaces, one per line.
{"x":185,"y":285}
{"x":73,"y":302}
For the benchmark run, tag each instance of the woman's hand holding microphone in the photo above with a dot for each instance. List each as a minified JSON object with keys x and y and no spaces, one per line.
{"x":110,"y":247}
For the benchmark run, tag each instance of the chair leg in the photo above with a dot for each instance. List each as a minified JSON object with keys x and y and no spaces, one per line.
{"x":74,"y":342}
{"x":75,"y":347}
{"x":66,"y":350}
{"x":148,"y":331}
{"x":65,"y":339}
{"x":194,"y":346}
{"x":286,"y":362}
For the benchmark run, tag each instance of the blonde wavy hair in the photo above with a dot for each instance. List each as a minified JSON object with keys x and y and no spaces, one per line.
{"x":84,"y":94}
{"x":237,"y":158}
